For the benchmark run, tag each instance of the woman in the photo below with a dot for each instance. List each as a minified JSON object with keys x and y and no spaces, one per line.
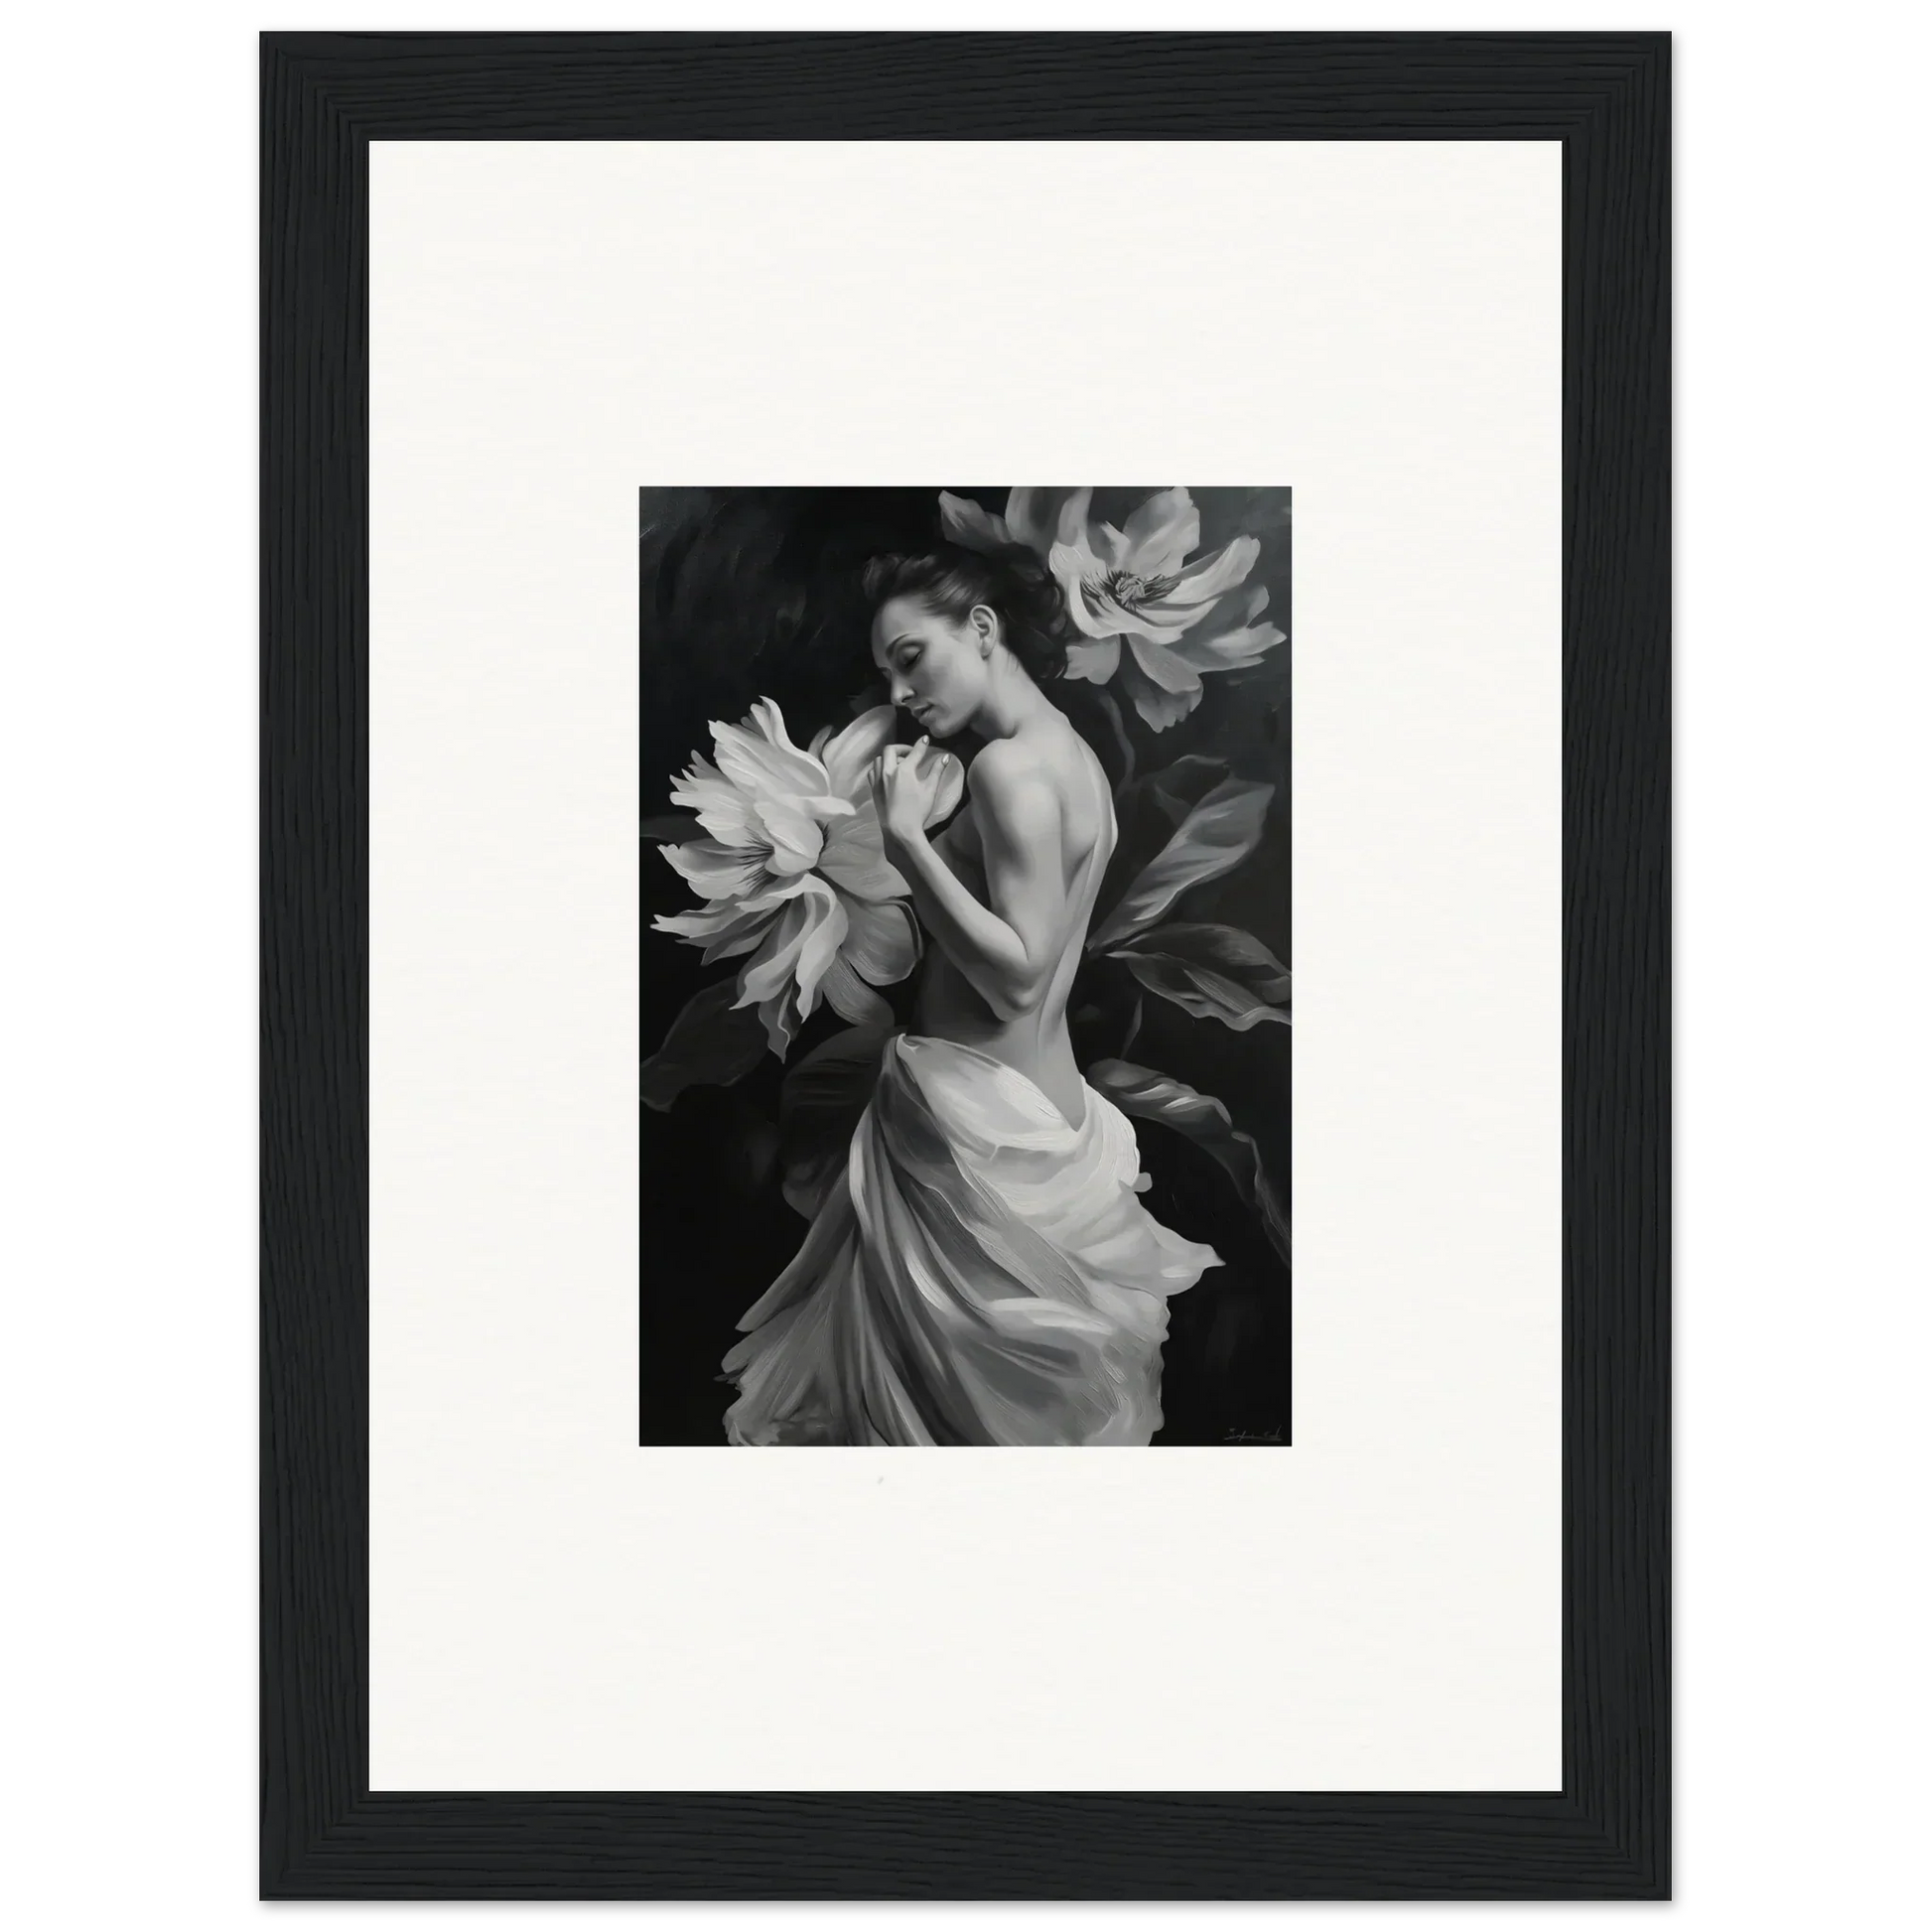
{"x":984,"y":1272}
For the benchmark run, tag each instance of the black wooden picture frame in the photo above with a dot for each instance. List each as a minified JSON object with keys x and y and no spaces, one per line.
{"x":325,"y":1834}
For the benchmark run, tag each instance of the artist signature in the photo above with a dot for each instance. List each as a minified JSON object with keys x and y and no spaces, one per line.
{"x":1252,"y":1435}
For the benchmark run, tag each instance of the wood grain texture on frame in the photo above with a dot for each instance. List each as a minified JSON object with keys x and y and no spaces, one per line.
{"x":324,"y":98}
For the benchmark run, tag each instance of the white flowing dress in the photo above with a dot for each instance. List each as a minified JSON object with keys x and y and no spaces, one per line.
{"x":983,"y":1272}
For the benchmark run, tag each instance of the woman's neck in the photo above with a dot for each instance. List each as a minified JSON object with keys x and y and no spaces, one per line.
{"x":1012,"y":701}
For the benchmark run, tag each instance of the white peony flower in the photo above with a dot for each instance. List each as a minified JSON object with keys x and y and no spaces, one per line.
{"x":794,"y":871}
{"x":1147,"y":615}
{"x":1031,"y":517}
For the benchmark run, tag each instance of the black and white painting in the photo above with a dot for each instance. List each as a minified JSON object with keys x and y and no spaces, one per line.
{"x":966,"y":966}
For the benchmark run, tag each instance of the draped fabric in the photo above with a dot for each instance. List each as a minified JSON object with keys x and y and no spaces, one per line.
{"x":982,"y":1273}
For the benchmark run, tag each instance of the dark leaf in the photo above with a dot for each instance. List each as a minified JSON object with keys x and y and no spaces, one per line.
{"x":710,"y":1043}
{"x":671,"y":828}
{"x":1179,"y":787}
{"x":1215,"y":972}
{"x":820,"y":1106}
{"x":750,"y":1152}
{"x":1214,"y":839}
{"x":1263,"y":509}
{"x":1148,"y":1095}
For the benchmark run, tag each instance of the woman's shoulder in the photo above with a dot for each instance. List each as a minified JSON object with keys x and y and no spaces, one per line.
{"x":1014,"y":784}
{"x":1048,"y":758}
{"x":1053,"y":787}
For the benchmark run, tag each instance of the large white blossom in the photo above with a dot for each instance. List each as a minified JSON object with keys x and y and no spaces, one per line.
{"x":1147,"y":614}
{"x":792,"y":868}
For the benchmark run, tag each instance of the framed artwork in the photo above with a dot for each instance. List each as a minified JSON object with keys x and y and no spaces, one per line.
{"x":1015,"y":1284}
{"x":1165,"y":945}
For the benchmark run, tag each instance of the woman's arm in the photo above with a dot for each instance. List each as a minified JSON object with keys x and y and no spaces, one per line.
{"x":1005,"y":949}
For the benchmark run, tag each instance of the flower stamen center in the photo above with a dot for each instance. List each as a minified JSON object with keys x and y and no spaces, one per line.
{"x":1128,"y":589}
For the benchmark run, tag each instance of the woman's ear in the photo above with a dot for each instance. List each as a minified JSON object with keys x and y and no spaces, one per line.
{"x":986,"y":624}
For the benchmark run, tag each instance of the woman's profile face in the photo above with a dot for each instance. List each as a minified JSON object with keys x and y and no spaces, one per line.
{"x":935,"y":666}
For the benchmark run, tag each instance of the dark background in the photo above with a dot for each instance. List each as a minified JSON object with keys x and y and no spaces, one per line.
{"x":750,"y":593}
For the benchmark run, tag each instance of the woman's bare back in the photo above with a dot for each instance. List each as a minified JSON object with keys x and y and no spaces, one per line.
{"x":1033,"y":1042}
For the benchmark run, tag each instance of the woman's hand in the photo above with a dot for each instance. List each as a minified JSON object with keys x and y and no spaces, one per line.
{"x":905,"y":784}
{"x":1006,"y":945}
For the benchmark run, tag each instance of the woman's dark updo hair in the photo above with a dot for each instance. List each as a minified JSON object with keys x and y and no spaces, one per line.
{"x":1010,"y":580}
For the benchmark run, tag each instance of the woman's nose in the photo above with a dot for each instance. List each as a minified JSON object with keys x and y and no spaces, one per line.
{"x":902,"y":691}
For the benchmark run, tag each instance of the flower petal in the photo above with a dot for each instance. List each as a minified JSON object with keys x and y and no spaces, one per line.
{"x":1160,"y":708}
{"x":780,"y":1017}
{"x":700,"y":926}
{"x":1231,"y":633}
{"x":709,"y":924}
{"x":854,"y":859}
{"x":1210,"y":576}
{"x":802,"y":942}
{"x":715,"y":870}
{"x":742,"y":937}
{"x":1162,"y":667}
{"x":722,"y":808}
{"x":1096,"y":662}
{"x":771,"y":721}
{"x":797,"y":837}
{"x":1031,"y":517}
{"x":847,"y":754}
{"x":1163,"y":689}
{"x":851,"y":999}
{"x":962,"y":521}
{"x":726,"y":928}
{"x":1145,"y":618}
{"x":1109,"y":545}
{"x":824,"y":937}
{"x":1074,"y":520}
{"x":766,"y":767}
{"x":1232,"y":637}
{"x":1072,"y":566}
{"x":879,"y":943}
{"x":1160,"y":534}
